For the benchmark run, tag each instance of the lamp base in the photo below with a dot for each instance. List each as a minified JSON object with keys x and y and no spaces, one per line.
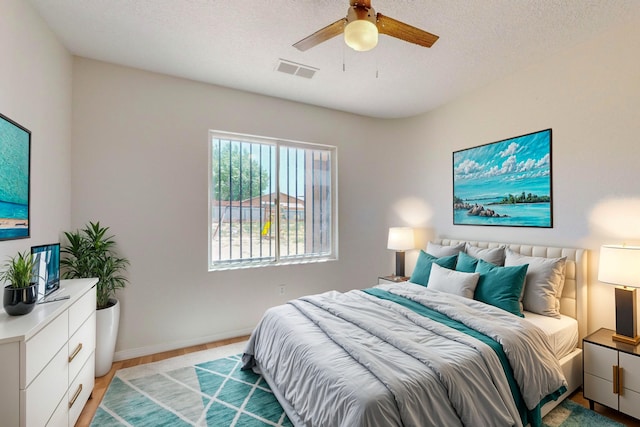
{"x":400,"y":263}
{"x":626,"y":316}
{"x":625,"y":339}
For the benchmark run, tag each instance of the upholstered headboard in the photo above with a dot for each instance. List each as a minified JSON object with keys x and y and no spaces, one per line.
{"x":573,"y":302}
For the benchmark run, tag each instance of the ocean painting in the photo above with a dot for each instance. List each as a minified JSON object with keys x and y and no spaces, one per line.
{"x":504,"y":183}
{"x":15,"y":142}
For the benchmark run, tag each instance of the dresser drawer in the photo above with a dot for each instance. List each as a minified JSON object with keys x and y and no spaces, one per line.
{"x":630,"y":403}
{"x":630,"y":372}
{"x":39,"y":401}
{"x":10,"y":383}
{"x":81,"y":345}
{"x":599,"y":361}
{"x":43,"y":346}
{"x":80,"y":390}
{"x":81,"y":310}
{"x":61,"y":415}
{"x":599,"y":390}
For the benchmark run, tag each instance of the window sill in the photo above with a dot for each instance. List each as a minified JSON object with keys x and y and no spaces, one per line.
{"x":243,"y":266}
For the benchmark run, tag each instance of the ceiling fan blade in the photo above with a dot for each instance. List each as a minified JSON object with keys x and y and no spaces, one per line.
{"x":406,"y":32}
{"x":322,"y":35}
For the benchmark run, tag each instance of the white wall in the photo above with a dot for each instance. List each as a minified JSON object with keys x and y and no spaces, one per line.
{"x":139,"y":165}
{"x":590,"y":97}
{"x":35,"y":91}
{"x":140,"y":144}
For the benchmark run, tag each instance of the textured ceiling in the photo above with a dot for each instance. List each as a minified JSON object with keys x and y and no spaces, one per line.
{"x":238,"y":44}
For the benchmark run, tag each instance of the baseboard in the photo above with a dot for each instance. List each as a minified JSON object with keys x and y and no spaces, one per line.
{"x":168,"y":346}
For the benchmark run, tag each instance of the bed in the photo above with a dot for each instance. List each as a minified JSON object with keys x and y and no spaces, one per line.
{"x":398,"y":354}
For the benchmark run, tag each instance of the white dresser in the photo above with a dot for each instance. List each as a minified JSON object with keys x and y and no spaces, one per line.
{"x":47,"y":359}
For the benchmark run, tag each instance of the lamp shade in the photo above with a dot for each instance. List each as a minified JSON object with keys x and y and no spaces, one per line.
{"x":401,"y":239}
{"x":620,"y":265}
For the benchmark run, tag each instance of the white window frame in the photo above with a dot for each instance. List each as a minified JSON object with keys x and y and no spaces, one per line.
{"x":278,"y":260}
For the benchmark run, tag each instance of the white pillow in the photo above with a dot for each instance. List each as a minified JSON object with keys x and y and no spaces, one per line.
{"x":492,"y":255}
{"x":543,"y":284}
{"x":453,"y":282}
{"x":442,"y":250}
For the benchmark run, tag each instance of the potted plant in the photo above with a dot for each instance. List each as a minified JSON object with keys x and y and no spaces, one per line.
{"x":90,"y":252}
{"x":21,"y":294}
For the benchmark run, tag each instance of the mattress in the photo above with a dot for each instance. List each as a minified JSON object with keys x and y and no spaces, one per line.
{"x":562,"y":333}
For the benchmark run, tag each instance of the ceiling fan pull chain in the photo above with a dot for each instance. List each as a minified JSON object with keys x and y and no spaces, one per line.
{"x":344,"y":68}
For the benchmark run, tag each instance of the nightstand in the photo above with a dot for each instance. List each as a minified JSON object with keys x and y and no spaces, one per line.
{"x":611,"y":372}
{"x":391,"y":279}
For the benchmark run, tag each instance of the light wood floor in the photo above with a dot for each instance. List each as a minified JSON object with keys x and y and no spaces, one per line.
{"x":102,"y":384}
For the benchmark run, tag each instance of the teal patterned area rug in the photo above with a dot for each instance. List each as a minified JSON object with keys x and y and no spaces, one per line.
{"x":209,"y":389}
{"x":208,"y":393}
{"x":571,"y":414}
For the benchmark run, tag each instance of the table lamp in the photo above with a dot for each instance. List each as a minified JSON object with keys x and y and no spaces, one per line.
{"x":400,"y":239}
{"x":620,"y":265}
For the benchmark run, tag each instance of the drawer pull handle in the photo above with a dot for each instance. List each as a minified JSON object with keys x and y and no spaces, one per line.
{"x":75,"y":352}
{"x":75,"y":396}
{"x":616,"y":380}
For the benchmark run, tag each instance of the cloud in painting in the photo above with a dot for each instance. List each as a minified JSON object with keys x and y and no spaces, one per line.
{"x":510,"y":150}
{"x":468,"y":167}
{"x":523,"y":159}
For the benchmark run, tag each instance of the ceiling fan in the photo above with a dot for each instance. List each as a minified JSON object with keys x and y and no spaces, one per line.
{"x":361,"y":27}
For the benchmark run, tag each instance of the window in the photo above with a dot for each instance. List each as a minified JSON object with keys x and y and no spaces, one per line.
{"x":270,"y":201}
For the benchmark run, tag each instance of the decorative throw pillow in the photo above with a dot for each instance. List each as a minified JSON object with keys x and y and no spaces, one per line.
{"x":453,"y":282}
{"x":444,"y":250}
{"x":422,"y":270}
{"x":466,"y":263}
{"x":500,"y":286}
{"x":543,"y":284}
{"x":492,"y":255}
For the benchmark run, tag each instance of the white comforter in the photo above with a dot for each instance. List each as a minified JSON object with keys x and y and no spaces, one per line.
{"x":352,"y":359}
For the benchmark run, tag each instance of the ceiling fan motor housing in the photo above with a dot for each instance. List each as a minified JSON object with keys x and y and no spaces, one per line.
{"x":357,"y":12}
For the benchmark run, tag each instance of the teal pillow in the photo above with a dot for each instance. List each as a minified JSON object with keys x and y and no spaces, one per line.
{"x":466,"y":263}
{"x":422,"y":270}
{"x":501,"y":286}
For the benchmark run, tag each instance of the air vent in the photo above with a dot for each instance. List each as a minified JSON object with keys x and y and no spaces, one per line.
{"x":295,"y":69}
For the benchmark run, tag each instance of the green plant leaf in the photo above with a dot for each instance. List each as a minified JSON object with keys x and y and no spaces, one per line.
{"x":91,"y":252}
{"x":19,"y":270}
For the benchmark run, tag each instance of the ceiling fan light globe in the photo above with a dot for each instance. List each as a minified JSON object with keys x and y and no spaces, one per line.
{"x":361,"y":35}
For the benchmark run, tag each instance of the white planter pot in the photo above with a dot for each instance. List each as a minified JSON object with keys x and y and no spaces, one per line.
{"x":107,"y":320}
